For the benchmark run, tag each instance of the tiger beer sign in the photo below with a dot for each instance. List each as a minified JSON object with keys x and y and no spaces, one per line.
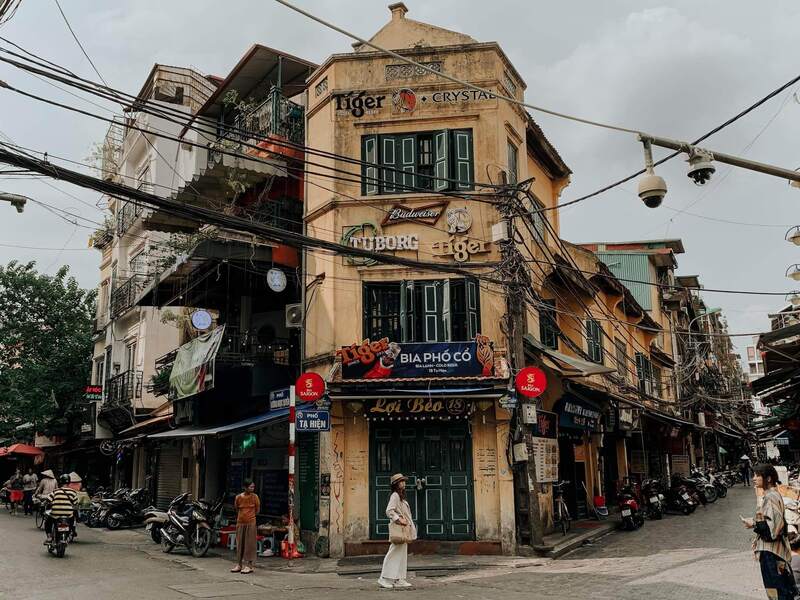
{"x":531,"y":382}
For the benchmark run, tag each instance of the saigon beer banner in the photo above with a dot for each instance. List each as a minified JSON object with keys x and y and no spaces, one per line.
{"x":382,"y":359}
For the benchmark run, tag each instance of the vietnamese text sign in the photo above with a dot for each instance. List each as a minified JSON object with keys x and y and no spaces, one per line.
{"x":545,"y":452}
{"x":279,"y":399}
{"x":313,"y":420}
{"x":383,"y":359}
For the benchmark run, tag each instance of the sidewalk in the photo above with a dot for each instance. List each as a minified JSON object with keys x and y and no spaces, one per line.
{"x":580,"y":533}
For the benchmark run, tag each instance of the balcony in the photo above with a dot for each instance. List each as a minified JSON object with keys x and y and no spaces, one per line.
{"x":123,"y":298}
{"x":243,"y":345}
{"x":126,"y":216}
{"x":275,"y":116}
{"x":124,"y":389}
{"x":159,"y":383}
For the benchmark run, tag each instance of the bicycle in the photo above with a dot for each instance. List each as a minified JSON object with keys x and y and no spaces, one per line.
{"x":560,"y":511}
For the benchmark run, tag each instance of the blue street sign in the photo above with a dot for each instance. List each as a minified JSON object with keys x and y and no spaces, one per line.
{"x":279,"y":399}
{"x":313,"y":420}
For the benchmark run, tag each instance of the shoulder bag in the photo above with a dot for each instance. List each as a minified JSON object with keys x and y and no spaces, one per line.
{"x":399,"y":534}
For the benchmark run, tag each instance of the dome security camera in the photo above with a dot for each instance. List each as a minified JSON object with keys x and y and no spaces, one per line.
{"x":701,"y":167}
{"x":652,"y":190}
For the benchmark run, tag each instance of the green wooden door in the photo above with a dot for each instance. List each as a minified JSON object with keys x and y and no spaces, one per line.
{"x":436,"y":458}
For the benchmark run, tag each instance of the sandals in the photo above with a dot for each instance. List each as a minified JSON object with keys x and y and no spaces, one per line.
{"x":247,"y":571}
{"x":236,"y":569}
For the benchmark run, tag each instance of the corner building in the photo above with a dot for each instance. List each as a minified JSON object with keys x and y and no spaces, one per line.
{"x":416,"y":361}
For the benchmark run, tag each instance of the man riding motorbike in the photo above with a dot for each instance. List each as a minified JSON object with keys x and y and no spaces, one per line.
{"x":62,"y":502}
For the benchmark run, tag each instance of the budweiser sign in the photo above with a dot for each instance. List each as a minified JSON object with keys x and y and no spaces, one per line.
{"x":428,"y":214}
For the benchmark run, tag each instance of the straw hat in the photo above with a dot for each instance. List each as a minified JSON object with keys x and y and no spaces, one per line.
{"x":48,"y":473}
{"x":398,"y":477}
{"x":74,"y":477}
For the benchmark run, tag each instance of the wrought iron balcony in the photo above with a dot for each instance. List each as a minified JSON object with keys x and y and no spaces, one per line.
{"x":127,"y":215}
{"x":245,"y":344}
{"x":125,"y":295}
{"x":123,"y":389}
{"x":274,"y":116}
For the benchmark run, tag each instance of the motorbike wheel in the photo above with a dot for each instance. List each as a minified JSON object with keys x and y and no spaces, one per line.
{"x":201,"y":541}
{"x":711,"y":494}
{"x":658,"y":514}
{"x":166,"y":545}
{"x":155,"y":534}
{"x":61,"y":548}
{"x":687,"y":510}
{"x":113,"y":522}
{"x":722,"y":492}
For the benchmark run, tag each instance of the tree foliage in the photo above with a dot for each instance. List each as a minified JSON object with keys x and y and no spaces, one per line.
{"x":45,"y":348}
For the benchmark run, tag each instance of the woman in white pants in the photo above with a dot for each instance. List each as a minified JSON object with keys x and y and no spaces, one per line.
{"x":396,"y":561}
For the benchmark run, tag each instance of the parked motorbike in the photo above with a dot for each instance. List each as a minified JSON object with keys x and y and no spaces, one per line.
{"x":155,"y":520}
{"x":128,"y":510}
{"x":653,"y":499}
{"x":191,"y":524}
{"x":695,"y":489}
{"x":718,"y":482}
{"x":629,"y":509}
{"x":704,"y":485}
{"x":679,"y":499}
{"x":102,"y":506}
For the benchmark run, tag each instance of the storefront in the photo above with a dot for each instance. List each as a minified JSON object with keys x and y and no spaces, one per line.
{"x":446,"y":433}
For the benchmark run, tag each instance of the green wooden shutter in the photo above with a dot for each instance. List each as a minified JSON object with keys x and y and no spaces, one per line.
{"x":446,"y":332}
{"x":441,"y":150}
{"x":473,"y":309}
{"x":463,"y":162}
{"x":388,"y":153}
{"x":408,"y":162}
{"x":407,"y":311}
{"x":432,"y":315}
{"x":369,"y":168}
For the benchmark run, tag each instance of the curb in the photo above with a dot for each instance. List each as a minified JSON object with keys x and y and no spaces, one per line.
{"x":557,"y":550}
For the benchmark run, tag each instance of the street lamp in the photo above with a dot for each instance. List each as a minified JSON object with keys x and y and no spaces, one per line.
{"x":794,"y":298}
{"x":713,"y":311}
{"x":15,"y":200}
{"x":793,"y":235}
{"x":793,"y":272}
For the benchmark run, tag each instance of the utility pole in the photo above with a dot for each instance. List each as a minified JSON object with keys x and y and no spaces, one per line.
{"x":514,"y":273}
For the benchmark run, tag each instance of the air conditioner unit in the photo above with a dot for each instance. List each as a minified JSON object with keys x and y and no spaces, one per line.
{"x":294,"y":315}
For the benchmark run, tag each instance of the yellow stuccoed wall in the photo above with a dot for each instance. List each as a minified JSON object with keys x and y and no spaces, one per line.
{"x":334,"y":316}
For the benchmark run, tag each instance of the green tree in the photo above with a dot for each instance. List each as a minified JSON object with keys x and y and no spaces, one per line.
{"x":45,"y":348}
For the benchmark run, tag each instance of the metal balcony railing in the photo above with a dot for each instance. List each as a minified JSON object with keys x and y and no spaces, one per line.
{"x":274,"y":116}
{"x":125,"y":295}
{"x":127,"y":215}
{"x":240,"y":343}
{"x":123,"y":389}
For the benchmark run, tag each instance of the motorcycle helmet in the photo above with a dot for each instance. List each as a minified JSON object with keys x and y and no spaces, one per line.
{"x":63,"y":479}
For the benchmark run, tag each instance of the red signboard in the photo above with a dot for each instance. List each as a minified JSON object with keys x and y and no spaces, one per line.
{"x":531,"y":382}
{"x":309,"y":387}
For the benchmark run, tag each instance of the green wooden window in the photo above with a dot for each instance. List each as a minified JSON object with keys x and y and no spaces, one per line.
{"x":513,"y":160}
{"x":644,"y":373}
{"x":622,"y":358}
{"x":422,"y":311}
{"x":548,"y":324}
{"x":594,"y":341}
{"x":416,"y":162}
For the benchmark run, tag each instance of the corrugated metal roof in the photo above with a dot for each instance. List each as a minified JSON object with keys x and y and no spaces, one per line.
{"x":631,"y":266}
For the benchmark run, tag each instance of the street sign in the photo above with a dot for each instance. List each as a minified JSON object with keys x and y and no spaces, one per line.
{"x":531,"y":382}
{"x":313,"y":420}
{"x":279,"y":399}
{"x":309,"y":387}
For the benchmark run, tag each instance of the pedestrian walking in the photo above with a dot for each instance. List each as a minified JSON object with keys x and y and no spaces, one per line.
{"x":771,"y":545}
{"x":401,"y":532}
{"x":247,"y":507}
{"x":29,"y":483}
{"x":746,"y":469}
{"x":47,"y":484}
{"x":14,"y":487}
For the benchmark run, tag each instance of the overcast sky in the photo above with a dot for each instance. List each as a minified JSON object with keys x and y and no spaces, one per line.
{"x":674,"y":69}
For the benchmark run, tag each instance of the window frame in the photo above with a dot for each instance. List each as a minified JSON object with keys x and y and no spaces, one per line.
{"x":388,"y":158}
{"x":621,"y":356}
{"x":594,"y":341}
{"x":548,"y":323}
{"x":513,"y":162}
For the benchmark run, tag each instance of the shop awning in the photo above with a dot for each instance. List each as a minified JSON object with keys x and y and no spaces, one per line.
{"x":201,"y":430}
{"x":568,"y":366}
{"x":160,"y":422}
{"x":671,"y":419}
{"x":22,"y":450}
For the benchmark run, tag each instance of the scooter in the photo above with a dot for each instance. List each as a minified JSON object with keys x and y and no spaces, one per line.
{"x":61,"y":535}
{"x":191,"y":524}
{"x":155,"y":520}
{"x":128,"y":512}
{"x":653,"y":499}
{"x":632,"y":516}
{"x":718,"y":483}
{"x":680,"y":500}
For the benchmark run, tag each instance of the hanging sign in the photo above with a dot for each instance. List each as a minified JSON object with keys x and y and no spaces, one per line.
{"x":576,"y":414}
{"x":309,"y":387}
{"x":416,"y":408}
{"x":531,"y":382}
{"x":93,"y":393}
{"x":313,"y":420}
{"x":546,"y":425}
{"x":201,"y":320}
{"x":383,"y":359}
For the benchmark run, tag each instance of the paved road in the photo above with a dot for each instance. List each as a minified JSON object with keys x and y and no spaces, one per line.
{"x":702,"y":557}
